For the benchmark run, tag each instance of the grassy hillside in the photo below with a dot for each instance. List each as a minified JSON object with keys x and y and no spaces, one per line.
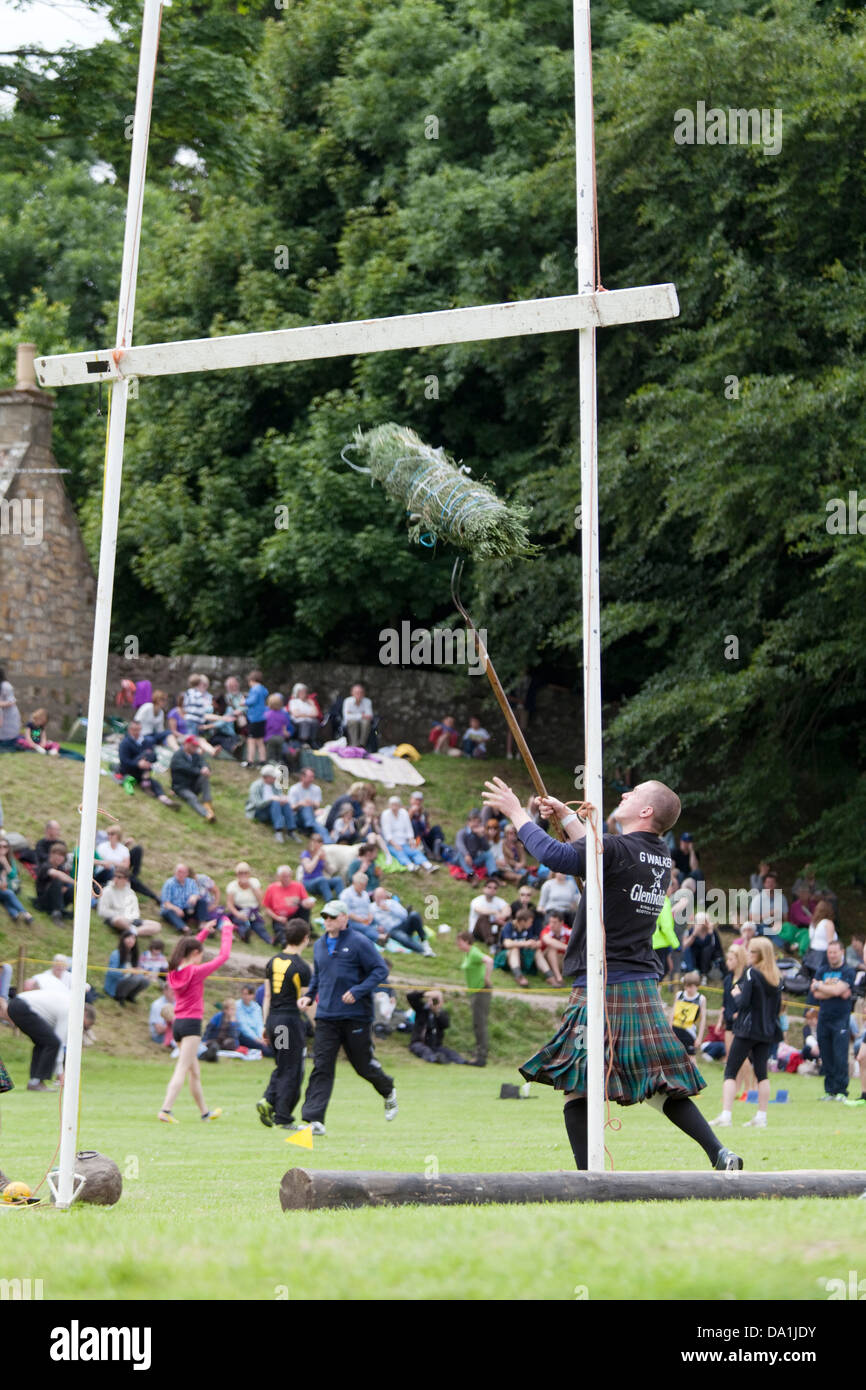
{"x":34,"y":789}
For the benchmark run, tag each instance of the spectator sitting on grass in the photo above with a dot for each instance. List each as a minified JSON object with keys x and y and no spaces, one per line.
{"x":135,"y":760}
{"x":190,"y":778}
{"x":314,"y":871}
{"x":182,"y":902}
{"x":430,"y":837}
{"x":520,"y":950}
{"x":268,"y":805}
{"x":9,"y":884}
{"x":244,"y":904}
{"x":555,"y":936}
{"x":123,"y":980}
{"x":512,"y":863}
{"x":33,"y":737}
{"x":475,"y":740}
{"x":305,"y":798}
{"x":343,"y":830}
{"x":151,"y":716}
{"x":251,"y":1022}
{"x":153,"y":960}
{"x":42,"y":847}
{"x":161,"y":1017}
{"x":278,"y":727}
{"x":472,"y":849}
{"x":400,"y":839}
{"x":769,"y":908}
{"x":689,"y":1020}
{"x":223,"y":1032}
{"x":369,"y":830}
{"x":488,"y":913}
{"x":713,"y":1048}
{"x":55,"y":888}
{"x":117,"y":905}
{"x":395,"y":922}
{"x":443,"y":735}
{"x":429,"y":1028}
{"x":524,"y":900}
{"x":560,"y":891}
{"x":702,"y":948}
{"x":359,"y":906}
{"x":286,"y":901}
{"x":365,"y":863}
{"x":748,"y":932}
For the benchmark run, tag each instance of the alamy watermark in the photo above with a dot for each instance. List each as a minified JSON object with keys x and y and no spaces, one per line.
{"x":846,"y":517}
{"x":736,"y":126}
{"x":439,"y":646}
{"x":22,"y":516}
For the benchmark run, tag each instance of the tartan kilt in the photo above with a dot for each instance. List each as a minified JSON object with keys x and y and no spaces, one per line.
{"x":647,"y":1056}
{"x":6,"y":1082}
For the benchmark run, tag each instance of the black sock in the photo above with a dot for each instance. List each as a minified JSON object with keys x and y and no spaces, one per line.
{"x":576,"y":1128}
{"x":687,"y":1117}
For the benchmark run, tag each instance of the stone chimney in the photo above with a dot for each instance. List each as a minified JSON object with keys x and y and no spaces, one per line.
{"x":47,"y":585}
{"x":26,"y":367}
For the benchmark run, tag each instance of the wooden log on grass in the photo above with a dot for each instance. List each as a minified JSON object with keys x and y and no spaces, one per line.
{"x":304,"y":1190}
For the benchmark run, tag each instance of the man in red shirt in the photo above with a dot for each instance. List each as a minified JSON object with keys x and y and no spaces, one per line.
{"x":285,"y":900}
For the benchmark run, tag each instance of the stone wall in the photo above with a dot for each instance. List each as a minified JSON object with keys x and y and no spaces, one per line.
{"x":47,"y":585}
{"x":408,"y":699}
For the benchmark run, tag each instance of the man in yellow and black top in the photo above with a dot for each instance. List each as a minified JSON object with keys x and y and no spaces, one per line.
{"x":286,"y":976}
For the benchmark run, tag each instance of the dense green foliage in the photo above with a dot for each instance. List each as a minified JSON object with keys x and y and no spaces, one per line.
{"x":337,"y":159}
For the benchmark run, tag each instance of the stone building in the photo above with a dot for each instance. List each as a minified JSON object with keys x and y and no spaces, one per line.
{"x":47,"y":584}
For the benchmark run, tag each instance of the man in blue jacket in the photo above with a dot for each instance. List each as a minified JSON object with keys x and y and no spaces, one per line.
{"x":135,"y":759}
{"x":346,"y":970}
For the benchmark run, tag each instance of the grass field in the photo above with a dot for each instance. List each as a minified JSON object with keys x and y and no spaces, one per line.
{"x":200,"y":1218}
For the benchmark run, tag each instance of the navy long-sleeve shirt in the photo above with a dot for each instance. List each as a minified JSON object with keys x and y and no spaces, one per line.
{"x":354,"y":964}
{"x":637,"y":870}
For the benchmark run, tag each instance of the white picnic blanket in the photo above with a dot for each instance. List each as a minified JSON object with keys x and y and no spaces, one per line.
{"x":393,"y":772}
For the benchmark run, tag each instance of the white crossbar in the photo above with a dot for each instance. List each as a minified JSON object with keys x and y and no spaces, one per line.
{"x":522,"y":318}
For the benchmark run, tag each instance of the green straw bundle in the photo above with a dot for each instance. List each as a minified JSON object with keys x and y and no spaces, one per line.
{"x":442,"y":501}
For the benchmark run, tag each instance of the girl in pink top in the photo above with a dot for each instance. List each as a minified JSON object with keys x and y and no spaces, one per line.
{"x":186,"y":976}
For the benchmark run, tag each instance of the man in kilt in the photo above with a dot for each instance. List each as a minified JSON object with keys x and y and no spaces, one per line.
{"x":648,"y":1060}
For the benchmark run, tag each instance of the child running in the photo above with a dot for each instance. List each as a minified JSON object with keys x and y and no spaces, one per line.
{"x":186,"y":976}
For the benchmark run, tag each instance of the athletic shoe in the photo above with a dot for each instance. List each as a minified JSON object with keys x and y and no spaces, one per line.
{"x":841,"y":1095}
{"x":279,"y":837}
{"x":40,"y":1086}
{"x":828,"y":1095}
{"x":293,"y":1125}
{"x":861,"y":1100}
{"x":477,"y":1063}
{"x":316,"y":1127}
{"x":293,"y":835}
{"x":721,"y":1122}
{"x":167,"y":1118}
{"x":727,"y":1161}
{"x":212,"y":1114}
{"x":391,"y":1105}
{"x":266,"y":1112}
{"x":758,"y":1121}
{"x":427,"y":950}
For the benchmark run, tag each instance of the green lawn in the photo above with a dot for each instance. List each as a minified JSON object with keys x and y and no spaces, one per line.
{"x":200,"y":1217}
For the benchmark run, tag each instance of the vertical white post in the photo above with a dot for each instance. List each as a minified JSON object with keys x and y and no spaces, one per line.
{"x":104,"y":594}
{"x":584,"y":137}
